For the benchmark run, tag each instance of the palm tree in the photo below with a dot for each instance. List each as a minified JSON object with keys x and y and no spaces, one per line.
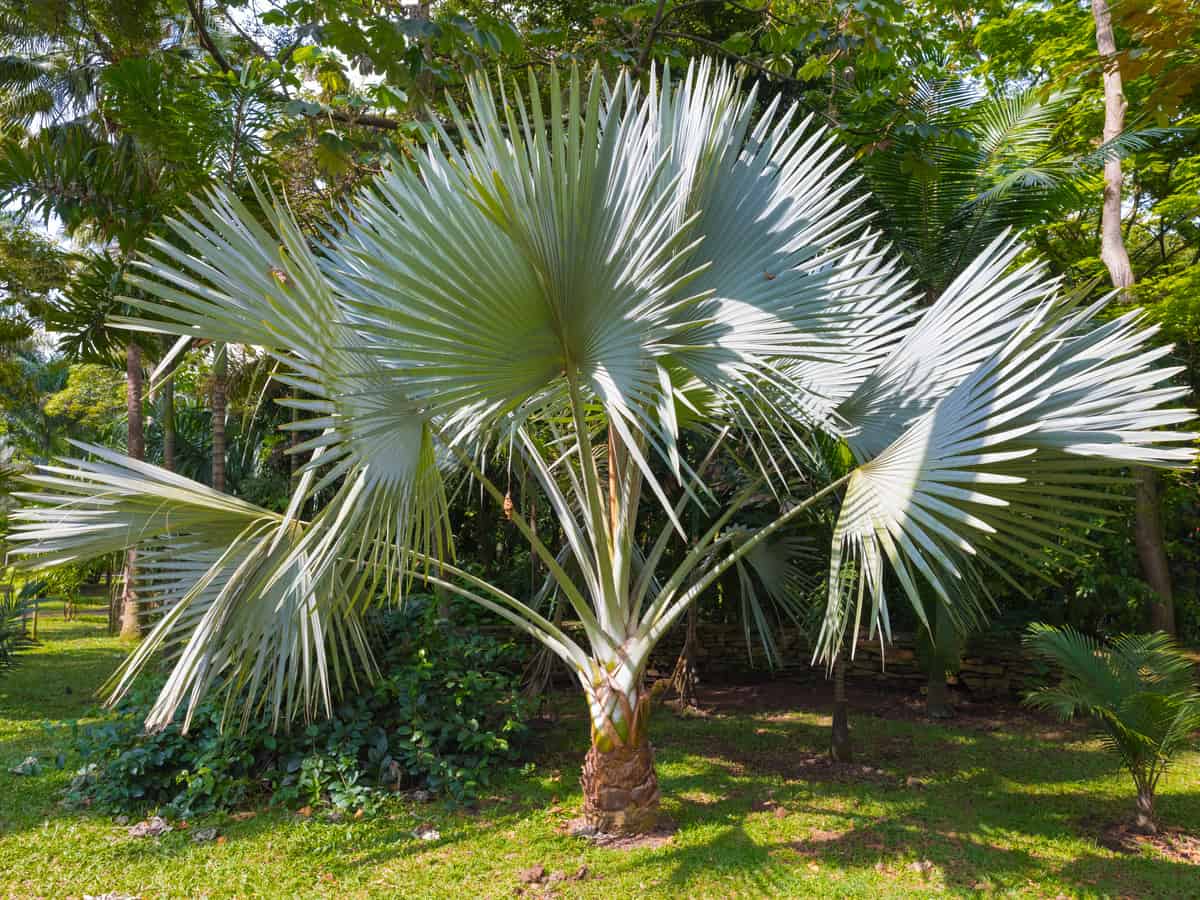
{"x":953,"y":172}
{"x":578,"y":279}
{"x":1140,"y":688}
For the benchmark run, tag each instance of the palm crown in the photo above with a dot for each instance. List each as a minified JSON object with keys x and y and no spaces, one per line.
{"x":581,"y":280}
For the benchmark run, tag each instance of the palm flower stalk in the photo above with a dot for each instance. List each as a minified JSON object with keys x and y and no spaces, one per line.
{"x":583,"y":275}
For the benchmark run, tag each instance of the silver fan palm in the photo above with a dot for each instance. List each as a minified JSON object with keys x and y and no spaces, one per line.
{"x":582,"y":279}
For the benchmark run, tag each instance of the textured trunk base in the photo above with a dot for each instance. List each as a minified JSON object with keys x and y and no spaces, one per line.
{"x":1143,"y":821}
{"x":620,"y":789}
{"x":937,"y":697}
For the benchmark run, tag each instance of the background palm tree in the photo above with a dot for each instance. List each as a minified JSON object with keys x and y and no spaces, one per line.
{"x":1140,"y":688}
{"x":578,"y":279}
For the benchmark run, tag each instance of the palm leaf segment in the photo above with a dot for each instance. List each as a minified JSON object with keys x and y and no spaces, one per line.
{"x":600,"y":258}
{"x":990,"y":433}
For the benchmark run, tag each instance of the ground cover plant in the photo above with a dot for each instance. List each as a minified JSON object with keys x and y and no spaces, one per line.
{"x":759,"y":810}
{"x":447,"y":718}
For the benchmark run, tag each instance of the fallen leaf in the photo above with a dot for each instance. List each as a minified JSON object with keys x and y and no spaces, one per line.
{"x":152,"y":827}
{"x":780,"y":812}
{"x":305,"y":811}
{"x":244,"y":815}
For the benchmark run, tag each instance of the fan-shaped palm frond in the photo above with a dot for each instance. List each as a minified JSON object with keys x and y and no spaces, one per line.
{"x":1009,"y":459}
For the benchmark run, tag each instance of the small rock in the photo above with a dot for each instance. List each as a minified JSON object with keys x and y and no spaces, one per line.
{"x":581,"y":828}
{"x":780,"y":812}
{"x":556,"y":877}
{"x":204,"y":835}
{"x":152,"y":827}
{"x":122,"y":820}
{"x":923,"y":866}
{"x":335,"y":816}
{"x":27,"y":766}
{"x":422,"y":796}
{"x":533,"y":875}
{"x":427,"y":832}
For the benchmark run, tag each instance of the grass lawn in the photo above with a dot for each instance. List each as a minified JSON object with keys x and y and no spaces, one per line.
{"x":1008,"y":807}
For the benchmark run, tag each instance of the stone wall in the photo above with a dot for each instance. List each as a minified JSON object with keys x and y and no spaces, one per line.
{"x":992,"y":667}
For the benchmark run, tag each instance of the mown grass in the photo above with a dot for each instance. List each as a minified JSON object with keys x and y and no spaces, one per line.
{"x":1012,"y":811}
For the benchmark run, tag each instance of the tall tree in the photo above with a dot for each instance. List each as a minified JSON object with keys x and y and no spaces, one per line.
{"x":131,"y":622}
{"x":1148,"y":530}
{"x":220,"y":374}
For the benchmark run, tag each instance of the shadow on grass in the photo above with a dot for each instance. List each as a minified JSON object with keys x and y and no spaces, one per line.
{"x":57,"y":685}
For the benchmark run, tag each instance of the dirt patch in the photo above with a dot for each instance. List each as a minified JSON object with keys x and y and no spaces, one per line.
{"x":819,"y":767}
{"x":1172,"y":844}
{"x":650,"y":840}
{"x":817,"y":839}
{"x":786,"y":697}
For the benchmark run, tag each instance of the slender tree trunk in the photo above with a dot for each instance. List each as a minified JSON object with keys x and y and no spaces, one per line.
{"x":683,"y":678}
{"x":168,"y":422}
{"x":1148,"y":533}
{"x":937,"y":694}
{"x":620,"y":786}
{"x":1143,"y":820}
{"x":840,"y":747}
{"x":131,"y":626}
{"x":220,"y":370}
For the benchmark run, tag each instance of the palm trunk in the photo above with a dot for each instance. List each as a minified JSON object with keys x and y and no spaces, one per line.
{"x":620,"y":786}
{"x":937,"y":693}
{"x":131,"y":626}
{"x":840,"y":748}
{"x":1143,"y":820}
{"x":1147,"y":528}
{"x":220,"y":369}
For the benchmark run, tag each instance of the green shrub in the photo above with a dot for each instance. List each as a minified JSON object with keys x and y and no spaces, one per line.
{"x":445,"y":716}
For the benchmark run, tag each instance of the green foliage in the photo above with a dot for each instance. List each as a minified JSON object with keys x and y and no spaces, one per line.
{"x":14,"y":636}
{"x":92,"y":401}
{"x":1140,"y":688}
{"x":446,"y":716}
